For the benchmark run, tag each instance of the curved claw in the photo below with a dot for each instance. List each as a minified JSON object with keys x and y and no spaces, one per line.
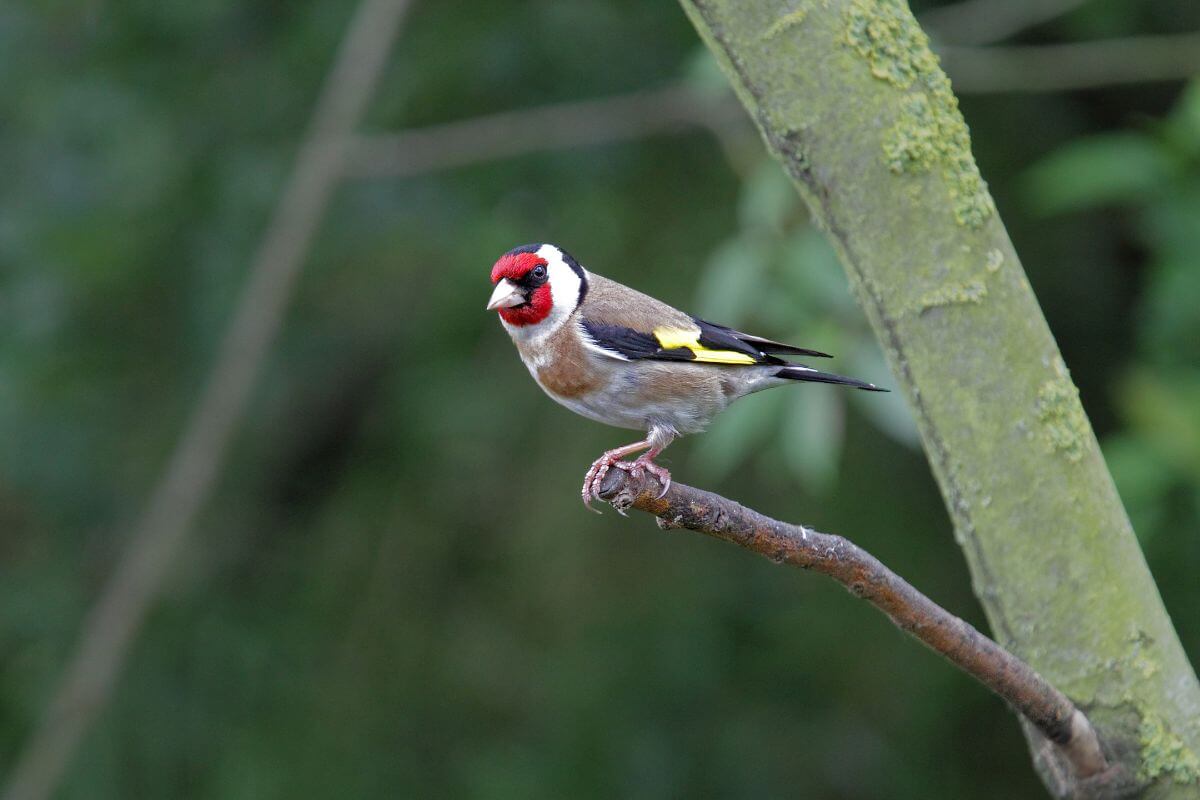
{"x":612,"y":458}
{"x":663,"y":475}
{"x":595,"y":477}
{"x":644,"y":465}
{"x":589,"y":490}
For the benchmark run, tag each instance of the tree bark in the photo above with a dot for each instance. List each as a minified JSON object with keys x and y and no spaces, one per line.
{"x":848,"y":96}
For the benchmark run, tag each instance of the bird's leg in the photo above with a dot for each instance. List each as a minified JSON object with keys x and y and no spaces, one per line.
{"x":655,"y":442}
{"x":600,"y":467}
{"x":659,"y":438}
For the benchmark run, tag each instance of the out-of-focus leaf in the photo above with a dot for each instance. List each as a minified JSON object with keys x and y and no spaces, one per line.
{"x":1100,"y":20}
{"x":1142,"y":479}
{"x":1182,"y":128}
{"x":811,"y":270}
{"x":742,"y":428}
{"x":889,"y":412}
{"x":1101,"y":170}
{"x":702,"y":72}
{"x":732,"y":280}
{"x":768,"y":199}
{"x":813,"y":431}
{"x":1171,"y":330}
{"x":1172,"y":223}
{"x":1166,"y":414}
{"x":822,"y":333}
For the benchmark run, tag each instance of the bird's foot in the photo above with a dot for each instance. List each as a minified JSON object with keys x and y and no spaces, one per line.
{"x":645,"y":464}
{"x":595,"y":476}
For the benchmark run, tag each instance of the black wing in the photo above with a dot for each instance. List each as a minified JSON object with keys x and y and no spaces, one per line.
{"x":714,"y":335}
{"x":633,"y":344}
{"x":708,"y":343}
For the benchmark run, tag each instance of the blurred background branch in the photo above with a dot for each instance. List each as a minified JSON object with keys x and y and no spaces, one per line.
{"x":113,"y":623}
{"x":682,"y":108}
{"x":1076,"y":65}
{"x":562,"y":126}
{"x":981,"y":22}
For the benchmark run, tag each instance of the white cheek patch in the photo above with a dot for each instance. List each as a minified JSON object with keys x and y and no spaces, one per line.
{"x":565,"y":283}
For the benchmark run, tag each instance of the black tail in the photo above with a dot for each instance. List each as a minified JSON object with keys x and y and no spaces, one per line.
{"x":796,"y":373}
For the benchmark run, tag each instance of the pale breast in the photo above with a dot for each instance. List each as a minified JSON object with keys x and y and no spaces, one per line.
{"x":561,"y":365}
{"x":685,"y":396}
{"x":567,"y":374}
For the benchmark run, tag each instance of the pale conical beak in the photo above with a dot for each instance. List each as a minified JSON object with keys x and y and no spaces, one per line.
{"x":505,"y":295}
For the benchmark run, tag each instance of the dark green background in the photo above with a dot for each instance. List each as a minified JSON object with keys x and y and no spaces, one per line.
{"x":395,"y":591}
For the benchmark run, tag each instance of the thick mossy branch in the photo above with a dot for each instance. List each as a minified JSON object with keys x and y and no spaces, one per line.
{"x":1048,"y":709}
{"x":856,"y":108}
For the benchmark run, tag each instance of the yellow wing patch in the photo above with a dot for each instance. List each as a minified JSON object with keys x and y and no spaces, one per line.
{"x":670,"y":338}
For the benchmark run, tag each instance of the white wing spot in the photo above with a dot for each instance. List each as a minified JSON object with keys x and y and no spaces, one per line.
{"x":596,"y":347}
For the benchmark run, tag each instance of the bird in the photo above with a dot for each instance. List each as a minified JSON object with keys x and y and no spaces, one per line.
{"x":615,"y":355}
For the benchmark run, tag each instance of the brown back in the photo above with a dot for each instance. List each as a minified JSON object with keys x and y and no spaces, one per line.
{"x":612,"y":303}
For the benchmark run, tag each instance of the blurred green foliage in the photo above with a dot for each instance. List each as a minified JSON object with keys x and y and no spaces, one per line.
{"x":1150,"y":173}
{"x":395,"y":591}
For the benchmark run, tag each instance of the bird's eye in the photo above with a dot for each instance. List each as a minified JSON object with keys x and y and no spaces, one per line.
{"x":538,"y":273}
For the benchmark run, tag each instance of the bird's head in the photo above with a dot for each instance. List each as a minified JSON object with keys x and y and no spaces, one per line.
{"x":537,"y":287}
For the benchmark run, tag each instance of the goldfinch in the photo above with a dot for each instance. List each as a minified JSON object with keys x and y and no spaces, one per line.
{"x":615,"y":355}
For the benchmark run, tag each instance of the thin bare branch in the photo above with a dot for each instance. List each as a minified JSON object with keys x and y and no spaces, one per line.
{"x":1078,"y":65}
{"x":119,"y":612}
{"x":561,"y":126}
{"x":1048,"y":709}
{"x":679,"y":109}
{"x":980,"y":22}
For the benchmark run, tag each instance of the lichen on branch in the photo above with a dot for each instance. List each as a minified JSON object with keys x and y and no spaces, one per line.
{"x":1064,"y":427}
{"x":929,"y":132}
{"x":1164,"y":753}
